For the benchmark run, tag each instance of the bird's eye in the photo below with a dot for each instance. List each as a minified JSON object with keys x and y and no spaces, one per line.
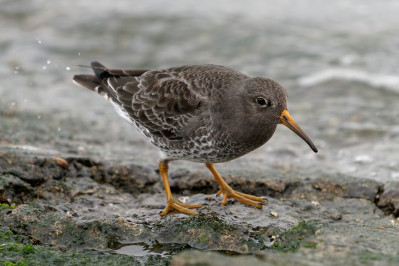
{"x":262,"y":102}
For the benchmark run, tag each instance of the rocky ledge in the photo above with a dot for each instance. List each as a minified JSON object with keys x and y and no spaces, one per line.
{"x":77,"y":210}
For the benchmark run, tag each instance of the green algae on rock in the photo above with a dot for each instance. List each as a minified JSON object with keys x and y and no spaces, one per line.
{"x":290,"y":241}
{"x":13,"y":252}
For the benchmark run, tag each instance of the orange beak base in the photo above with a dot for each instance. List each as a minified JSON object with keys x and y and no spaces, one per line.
{"x":287,"y":121}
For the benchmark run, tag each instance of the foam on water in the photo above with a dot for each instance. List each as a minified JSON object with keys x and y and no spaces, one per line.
{"x":389,"y":82}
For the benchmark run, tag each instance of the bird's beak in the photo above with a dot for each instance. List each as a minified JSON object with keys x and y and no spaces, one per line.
{"x":287,"y":120}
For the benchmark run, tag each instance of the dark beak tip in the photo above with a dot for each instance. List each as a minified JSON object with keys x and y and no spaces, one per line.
{"x":313,"y":147}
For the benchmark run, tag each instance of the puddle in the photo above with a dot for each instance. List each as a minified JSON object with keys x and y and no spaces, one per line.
{"x":138,"y":251}
{"x":145,"y":250}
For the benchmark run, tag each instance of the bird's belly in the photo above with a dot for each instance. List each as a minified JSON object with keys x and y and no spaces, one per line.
{"x":209,"y":148}
{"x":209,"y":151}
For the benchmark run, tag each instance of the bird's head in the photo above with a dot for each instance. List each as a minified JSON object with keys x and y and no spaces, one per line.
{"x":266,"y":105}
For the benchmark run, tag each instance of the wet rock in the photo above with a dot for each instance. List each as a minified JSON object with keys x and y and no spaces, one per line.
{"x":49,"y":225}
{"x":291,"y":239}
{"x":80,"y":167}
{"x":184,"y":180}
{"x":197,"y":182}
{"x":389,"y":202}
{"x":264,"y":187}
{"x":15,"y":190}
{"x":33,"y":171}
{"x":329,"y":187}
{"x":115,"y":208}
{"x":131,"y":178}
{"x":17,"y":249}
{"x":71,"y":225}
{"x":210,"y":232}
{"x":195,"y":257}
{"x":3,"y":198}
{"x":88,"y":212}
{"x":365,"y":189}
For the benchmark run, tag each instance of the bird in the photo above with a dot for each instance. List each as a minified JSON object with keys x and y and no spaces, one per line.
{"x":201,"y":113}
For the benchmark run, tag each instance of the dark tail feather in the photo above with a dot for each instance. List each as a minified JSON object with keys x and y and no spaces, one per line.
{"x":100,"y":70}
{"x":88,"y":81}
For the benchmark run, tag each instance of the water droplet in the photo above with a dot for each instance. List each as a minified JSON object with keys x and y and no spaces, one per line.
{"x":39,"y":117}
{"x":44,"y":67}
{"x":67,"y":68}
{"x":13,"y":103}
{"x":59,"y":129}
{"x":184,"y":199}
{"x":16,"y":72}
{"x":48,"y":62}
{"x":25,"y":100}
{"x":17,"y":68}
{"x":39,"y":41}
{"x":79,"y":53}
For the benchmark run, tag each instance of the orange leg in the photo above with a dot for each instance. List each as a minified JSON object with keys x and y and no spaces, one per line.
{"x":171,"y":203}
{"x":228,"y":192}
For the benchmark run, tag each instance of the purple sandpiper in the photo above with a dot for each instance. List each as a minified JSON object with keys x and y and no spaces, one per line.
{"x":200,"y":113}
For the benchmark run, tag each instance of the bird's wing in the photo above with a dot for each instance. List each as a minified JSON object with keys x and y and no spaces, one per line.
{"x":161,"y":101}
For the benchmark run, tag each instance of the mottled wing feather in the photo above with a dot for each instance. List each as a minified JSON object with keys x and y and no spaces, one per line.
{"x":157,"y":101}
{"x":163,"y":104}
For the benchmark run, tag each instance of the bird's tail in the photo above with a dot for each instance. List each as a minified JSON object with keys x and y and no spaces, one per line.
{"x":93,"y":82}
{"x":99,"y":81}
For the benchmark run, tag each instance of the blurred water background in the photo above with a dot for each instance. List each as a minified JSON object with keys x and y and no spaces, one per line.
{"x":339,"y":62}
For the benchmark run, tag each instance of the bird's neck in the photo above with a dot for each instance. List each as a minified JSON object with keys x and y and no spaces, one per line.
{"x":245,"y":133}
{"x":253,"y":137}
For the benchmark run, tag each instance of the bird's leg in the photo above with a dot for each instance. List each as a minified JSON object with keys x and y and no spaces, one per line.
{"x":171,"y":203}
{"x":228,"y":192}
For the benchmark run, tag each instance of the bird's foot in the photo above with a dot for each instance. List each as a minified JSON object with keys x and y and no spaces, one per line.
{"x":180,"y":207}
{"x":228,"y":193}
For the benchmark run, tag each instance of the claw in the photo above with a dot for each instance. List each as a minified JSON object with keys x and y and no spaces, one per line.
{"x":180,"y":207}
{"x":228,"y":192}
